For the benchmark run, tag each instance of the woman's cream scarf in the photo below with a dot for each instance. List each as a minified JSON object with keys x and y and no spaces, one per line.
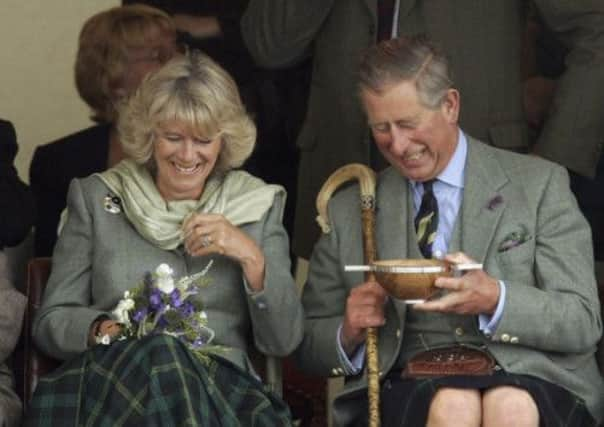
{"x":237,"y":195}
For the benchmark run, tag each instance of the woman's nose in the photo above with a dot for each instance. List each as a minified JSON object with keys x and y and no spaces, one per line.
{"x":187,"y":150}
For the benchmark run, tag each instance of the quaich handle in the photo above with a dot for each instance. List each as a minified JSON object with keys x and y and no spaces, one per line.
{"x":413,"y":269}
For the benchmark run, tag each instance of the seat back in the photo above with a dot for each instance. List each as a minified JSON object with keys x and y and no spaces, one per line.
{"x":30,"y":363}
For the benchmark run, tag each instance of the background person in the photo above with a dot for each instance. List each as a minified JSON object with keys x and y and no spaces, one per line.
{"x":176,"y":200}
{"x":513,"y":213}
{"x":16,"y":218}
{"x":117,"y":48}
{"x":485,"y":48}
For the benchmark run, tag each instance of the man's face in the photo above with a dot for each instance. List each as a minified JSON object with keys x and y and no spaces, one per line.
{"x":416,"y":140}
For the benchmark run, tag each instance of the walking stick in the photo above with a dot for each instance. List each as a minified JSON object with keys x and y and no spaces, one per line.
{"x":366,"y":178}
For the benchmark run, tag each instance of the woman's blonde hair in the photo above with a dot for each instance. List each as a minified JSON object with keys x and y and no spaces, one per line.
{"x":194,"y":90}
{"x":102,"y":52}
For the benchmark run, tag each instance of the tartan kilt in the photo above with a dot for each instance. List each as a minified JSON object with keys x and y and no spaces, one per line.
{"x":154,"y":381}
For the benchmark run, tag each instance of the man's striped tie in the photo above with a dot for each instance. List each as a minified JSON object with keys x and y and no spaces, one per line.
{"x":426,"y":220}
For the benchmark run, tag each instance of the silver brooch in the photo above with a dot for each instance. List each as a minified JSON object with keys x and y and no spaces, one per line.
{"x":112,"y":204}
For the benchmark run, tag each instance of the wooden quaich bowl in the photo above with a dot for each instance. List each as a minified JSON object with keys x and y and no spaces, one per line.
{"x":410,"y":279}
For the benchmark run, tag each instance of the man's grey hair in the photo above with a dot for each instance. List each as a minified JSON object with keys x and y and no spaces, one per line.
{"x":407,"y":59}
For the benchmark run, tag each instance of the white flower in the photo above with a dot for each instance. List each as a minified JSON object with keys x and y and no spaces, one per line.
{"x":121,"y":311}
{"x":165,"y":282}
{"x":164,"y":270}
{"x":203,"y":315}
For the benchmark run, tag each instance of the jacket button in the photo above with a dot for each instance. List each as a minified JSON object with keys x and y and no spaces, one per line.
{"x":505,"y":337}
{"x":459,"y":331}
{"x":514,"y":340}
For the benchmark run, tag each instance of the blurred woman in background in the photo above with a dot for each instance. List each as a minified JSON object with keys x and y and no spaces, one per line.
{"x":117,"y":48}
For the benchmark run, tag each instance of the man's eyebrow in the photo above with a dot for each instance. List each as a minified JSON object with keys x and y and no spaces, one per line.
{"x":407,"y":120}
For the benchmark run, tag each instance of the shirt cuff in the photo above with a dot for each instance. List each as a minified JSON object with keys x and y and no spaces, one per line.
{"x":353,"y":365}
{"x":488,"y":324}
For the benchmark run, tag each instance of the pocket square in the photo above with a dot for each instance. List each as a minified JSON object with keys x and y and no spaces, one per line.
{"x":515,"y":238}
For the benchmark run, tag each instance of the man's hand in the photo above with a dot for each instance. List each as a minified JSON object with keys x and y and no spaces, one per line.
{"x":474,"y":292}
{"x":364,"y":309}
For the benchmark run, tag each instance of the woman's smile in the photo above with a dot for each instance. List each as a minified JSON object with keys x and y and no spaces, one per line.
{"x":184,"y":160}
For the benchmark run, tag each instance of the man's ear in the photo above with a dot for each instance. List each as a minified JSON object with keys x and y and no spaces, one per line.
{"x":450,"y":105}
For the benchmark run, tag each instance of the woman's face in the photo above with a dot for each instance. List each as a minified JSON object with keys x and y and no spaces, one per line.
{"x":141,"y":60}
{"x":184,"y":161}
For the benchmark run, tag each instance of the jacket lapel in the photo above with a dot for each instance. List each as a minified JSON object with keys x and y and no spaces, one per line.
{"x":482,"y":204}
{"x":392,"y":225}
{"x":392,"y":214}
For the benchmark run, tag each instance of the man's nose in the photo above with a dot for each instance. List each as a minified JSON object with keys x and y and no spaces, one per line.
{"x":399,"y":142}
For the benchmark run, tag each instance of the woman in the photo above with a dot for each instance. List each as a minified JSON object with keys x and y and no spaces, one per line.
{"x":117,"y":48}
{"x":176,"y":200}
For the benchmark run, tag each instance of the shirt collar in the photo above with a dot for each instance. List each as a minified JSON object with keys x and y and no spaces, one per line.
{"x":454,"y":172}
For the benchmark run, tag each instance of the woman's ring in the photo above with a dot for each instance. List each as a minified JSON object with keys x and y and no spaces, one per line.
{"x":206,"y":240}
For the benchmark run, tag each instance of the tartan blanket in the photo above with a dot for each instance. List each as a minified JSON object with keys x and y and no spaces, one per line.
{"x":154,"y":381}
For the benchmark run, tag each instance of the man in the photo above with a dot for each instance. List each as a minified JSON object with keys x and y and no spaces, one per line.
{"x":484,"y":40}
{"x":16,"y":218}
{"x":533,"y":308}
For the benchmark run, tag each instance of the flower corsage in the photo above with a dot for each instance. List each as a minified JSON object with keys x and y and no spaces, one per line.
{"x":163,"y":305}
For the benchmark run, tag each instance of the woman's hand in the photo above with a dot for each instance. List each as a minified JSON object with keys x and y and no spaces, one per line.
{"x":103,"y":327}
{"x":205,"y":234}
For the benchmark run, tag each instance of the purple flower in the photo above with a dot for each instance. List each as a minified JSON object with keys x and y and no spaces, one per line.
{"x":139,"y":315}
{"x":162,"y":322}
{"x":155,"y":301}
{"x":199,"y":342}
{"x":187,"y":309}
{"x":494,"y":202}
{"x":175,"y":298}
